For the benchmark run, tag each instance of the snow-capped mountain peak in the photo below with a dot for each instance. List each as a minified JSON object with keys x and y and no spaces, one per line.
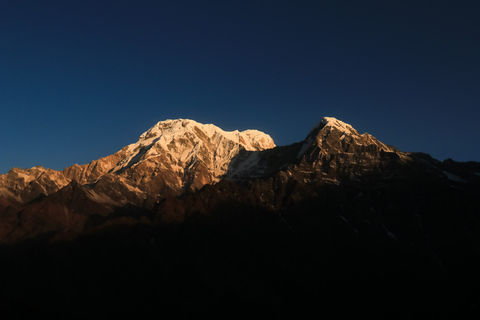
{"x":329,"y":122}
{"x":169,"y":129}
{"x":181,"y":139}
{"x":182,"y":153}
{"x":331,"y":135}
{"x":333,"y":122}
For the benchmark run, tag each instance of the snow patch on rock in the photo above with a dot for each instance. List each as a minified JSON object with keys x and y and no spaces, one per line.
{"x":454,"y":177}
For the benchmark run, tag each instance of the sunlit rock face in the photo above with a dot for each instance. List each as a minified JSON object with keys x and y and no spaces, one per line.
{"x":338,"y":151}
{"x":178,"y":155}
{"x":24,"y":185}
{"x":334,"y":136}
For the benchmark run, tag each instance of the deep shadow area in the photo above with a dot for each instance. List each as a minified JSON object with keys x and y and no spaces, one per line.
{"x":235,"y":267}
{"x":398,"y":244}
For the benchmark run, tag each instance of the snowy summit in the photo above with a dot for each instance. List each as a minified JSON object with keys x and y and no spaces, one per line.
{"x":334,"y":122}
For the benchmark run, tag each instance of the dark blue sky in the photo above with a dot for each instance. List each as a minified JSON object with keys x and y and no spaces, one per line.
{"x":81,"y":79}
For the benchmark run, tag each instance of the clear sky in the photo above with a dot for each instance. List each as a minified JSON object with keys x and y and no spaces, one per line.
{"x":81,"y":79}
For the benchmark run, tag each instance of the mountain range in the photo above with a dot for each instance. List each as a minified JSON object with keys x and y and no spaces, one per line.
{"x":197,"y":221}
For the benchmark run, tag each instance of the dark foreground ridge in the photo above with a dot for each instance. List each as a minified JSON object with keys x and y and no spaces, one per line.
{"x":338,"y":225}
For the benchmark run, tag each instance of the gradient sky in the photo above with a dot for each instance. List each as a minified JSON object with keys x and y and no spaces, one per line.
{"x":81,"y":79}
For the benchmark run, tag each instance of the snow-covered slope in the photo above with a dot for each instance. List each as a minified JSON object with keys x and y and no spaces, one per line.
{"x":187,"y":141}
{"x":178,"y":155}
{"x":169,"y":158}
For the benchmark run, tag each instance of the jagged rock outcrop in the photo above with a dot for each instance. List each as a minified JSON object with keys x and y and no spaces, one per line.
{"x":24,"y":185}
{"x":338,"y":151}
{"x":331,"y":135}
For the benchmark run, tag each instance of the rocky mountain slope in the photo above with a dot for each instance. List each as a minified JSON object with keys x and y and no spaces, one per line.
{"x":217,"y":221}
